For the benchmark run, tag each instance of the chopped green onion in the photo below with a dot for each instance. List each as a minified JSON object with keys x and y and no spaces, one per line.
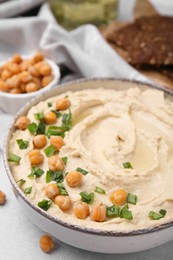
{"x":49,"y":151}
{"x":131,"y":198}
{"x":41,"y":128}
{"x":62,"y":189}
{"x":45,"y":204}
{"x":125,"y":213}
{"x":163,"y":212}
{"x":84,"y":172}
{"x":99,"y":190}
{"x":39,"y":116}
{"x":54,"y":176}
{"x":49,"y":104}
{"x":21,"y":182}
{"x":57,"y":113}
{"x":113,"y":211}
{"x":127,"y":165}
{"x":14,"y":158}
{"x":65,"y":159}
{"x":156,"y":216}
{"x":67,"y":121}
{"x":28,"y":190}
{"x":87,"y":197}
{"x":55,"y":130}
{"x":22,"y":144}
{"x":35,"y":172}
{"x":32,"y":128}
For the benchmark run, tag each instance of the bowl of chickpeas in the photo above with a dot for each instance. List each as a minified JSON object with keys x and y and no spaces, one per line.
{"x":22,"y":77}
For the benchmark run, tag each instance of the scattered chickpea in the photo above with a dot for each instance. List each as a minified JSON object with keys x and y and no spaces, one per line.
{"x":52,"y":191}
{"x":98,"y":213}
{"x":57,"y":142}
{"x":63,"y":202}
{"x":39,"y":141}
{"x":31,"y":87}
{"x":55,"y":163}
{"x":46,"y":243}
{"x":62,"y":104}
{"x":38,"y":57}
{"x":46,"y":80}
{"x":25,"y":77}
{"x":22,"y":122}
{"x":16,"y":58}
{"x":81,"y":210}
{"x":118,"y":197}
{"x":5,"y":74}
{"x":2,"y":198}
{"x":15,"y":91}
{"x":50,"y":118}
{"x":45,"y":69}
{"x":74,"y":178}
{"x":35,"y":157}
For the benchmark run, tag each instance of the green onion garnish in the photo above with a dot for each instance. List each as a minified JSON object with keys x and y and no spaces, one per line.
{"x":35,"y":172}
{"x":41,"y":128}
{"x":21,"y":182}
{"x":54,"y":176}
{"x":125,"y":213}
{"x":113,"y":211}
{"x":57,"y":113}
{"x":55,"y":130}
{"x":14,"y":158}
{"x":87,"y":197}
{"x":22,"y":144}
{"x":28,"y":190}
{"x":131,"y":198}
{"x":32,"y":128}
{"x":49,"y":104}
{"x":84,"y":172}
{"x":127,"y":165}
{"x":65,"y":159}
{"x":99,"y":190}
{"x":49,"y":151}
{"x":45,"y":204}
{"x":156,"y":216}
{"x":62,"y":189}
{"x":39,"y":116}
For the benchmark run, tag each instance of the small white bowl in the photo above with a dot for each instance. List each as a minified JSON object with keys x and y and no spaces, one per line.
{"x":11,"y":103}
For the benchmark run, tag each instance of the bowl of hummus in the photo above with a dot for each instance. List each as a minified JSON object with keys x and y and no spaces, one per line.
{"x":91,"y":164}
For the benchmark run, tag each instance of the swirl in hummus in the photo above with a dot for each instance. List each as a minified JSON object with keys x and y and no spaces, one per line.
{"x":109,"y":129}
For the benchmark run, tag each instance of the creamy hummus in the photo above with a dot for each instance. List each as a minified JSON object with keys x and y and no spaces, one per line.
{"x":110,"y":128}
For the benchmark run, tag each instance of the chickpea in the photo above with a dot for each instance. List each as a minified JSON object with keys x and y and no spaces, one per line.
{"x":63,"y":202}
{"x":14,"y":68}
{"x":16,"y":58}
{"x":38,"y":57}
{"x":118,"y":197}
{"x":25,"y":65}
{"x":57,"y":142}
{"x":46,"y":80}
{"x":52,"y":191}
{"x":31,"y":87}
{"x":46,"y":243}
{"x":55,"y":163}
{"x":23,"y":87}
{"x":98,"y":213}
{"x":35,"y":157}
{"x":74,"y":178}
{"x":25,"y":77}
{"x":14,"y":81}
{"x":15,"y":91}
{"x":3,"y":86}
{"x":81,"y":210}
{"x":38,"y":65}
{"x":62,"y":104}
{"x":22,"y":122}
{"x":5,"y":74}
{"x":2,"y":198}
{"x":37,"y":82}
{"x":39,"y":141}
{"x":45,"y":69}
{"x":50,"y":118}
{"x":33,"y":71}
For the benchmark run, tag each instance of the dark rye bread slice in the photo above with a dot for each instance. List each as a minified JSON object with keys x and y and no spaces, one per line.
{"x":146,"y":41}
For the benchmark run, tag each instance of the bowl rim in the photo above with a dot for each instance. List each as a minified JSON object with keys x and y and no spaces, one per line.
{"x":75,"y":227}
{"x":56,"y":74}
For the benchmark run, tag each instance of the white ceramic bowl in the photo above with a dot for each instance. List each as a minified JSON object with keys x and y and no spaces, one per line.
{"x":11,"y":103}
{"x":88,"y":238}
